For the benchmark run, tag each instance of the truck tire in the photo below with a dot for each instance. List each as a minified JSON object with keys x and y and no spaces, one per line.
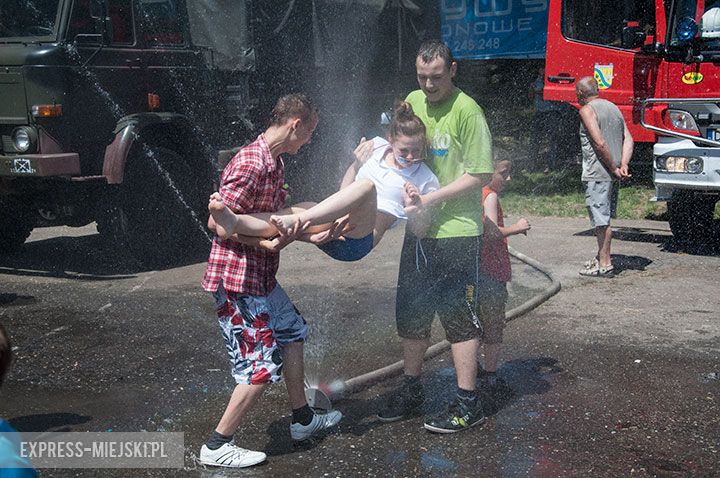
{"x":16,"y":224}
{"x":159,"y":212}
{"x":691,"y":218}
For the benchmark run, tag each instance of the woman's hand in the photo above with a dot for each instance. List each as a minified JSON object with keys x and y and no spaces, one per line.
{"x":363,"y":150}
{"x":411,"y":196}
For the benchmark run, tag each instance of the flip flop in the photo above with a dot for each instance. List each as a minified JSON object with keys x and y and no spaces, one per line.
{"x":591,"y":263}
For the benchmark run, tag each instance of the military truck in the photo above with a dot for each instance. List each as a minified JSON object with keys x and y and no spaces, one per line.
{"x":114,"y":111}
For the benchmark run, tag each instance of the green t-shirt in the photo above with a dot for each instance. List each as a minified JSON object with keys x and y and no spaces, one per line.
{"x":460,"y":143}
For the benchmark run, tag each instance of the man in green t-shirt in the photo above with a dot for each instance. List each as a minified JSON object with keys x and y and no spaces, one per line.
{"x":439,"y":273}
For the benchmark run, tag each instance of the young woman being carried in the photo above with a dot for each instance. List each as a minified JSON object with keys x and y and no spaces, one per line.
{"x":375,"y":194}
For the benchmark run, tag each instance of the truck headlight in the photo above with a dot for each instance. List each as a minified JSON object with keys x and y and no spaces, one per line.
{"x":24,"y":139}
{"x":694,"y":165}
{"x":682,"y":120}
{"x":679,"y":164}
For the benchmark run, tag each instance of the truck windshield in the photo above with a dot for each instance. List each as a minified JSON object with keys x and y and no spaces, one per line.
{"x":696,"y":23}
{"x":28,"y":18}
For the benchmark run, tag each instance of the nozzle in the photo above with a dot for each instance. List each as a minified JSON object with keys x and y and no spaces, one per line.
{"x":316,"y":398}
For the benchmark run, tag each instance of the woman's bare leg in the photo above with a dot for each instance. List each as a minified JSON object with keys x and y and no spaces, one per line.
{"x":358,"y":201}
{"x":225,"y":222}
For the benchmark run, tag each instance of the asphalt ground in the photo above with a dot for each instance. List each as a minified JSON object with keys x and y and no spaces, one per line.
{"x":611,"y":377}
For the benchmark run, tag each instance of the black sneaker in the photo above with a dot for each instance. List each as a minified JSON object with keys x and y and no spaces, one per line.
{"x":491,"y":381}
{"x":404,"y":402}
{"x":459,"y":416}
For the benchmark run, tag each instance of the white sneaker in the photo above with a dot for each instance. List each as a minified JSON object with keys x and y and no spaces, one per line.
{"x":320,"y":421}
{"x":230,"y":455}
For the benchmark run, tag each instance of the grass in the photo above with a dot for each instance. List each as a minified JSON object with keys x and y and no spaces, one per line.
{"x":560,"y":194}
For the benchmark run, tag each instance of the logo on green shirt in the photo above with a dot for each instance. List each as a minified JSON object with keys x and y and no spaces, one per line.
{"x":441,"y":144}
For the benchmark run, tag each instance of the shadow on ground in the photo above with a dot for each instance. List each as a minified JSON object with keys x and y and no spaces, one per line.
{"x":659,"y":236}
{"x":520,"y":377}
{"x":43,"y":422}
{"x":622,"y":262}
{"x":82,"y":258}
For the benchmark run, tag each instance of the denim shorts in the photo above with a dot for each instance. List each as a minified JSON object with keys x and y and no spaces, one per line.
{"x":348,"y":250}
{"x":255,"y":329}
{"x":601,"y":198}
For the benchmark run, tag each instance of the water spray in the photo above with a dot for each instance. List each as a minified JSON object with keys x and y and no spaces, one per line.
{"x":320,"y":396}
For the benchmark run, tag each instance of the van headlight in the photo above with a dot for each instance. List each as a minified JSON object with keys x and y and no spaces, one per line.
{"x":24,"y":139}
{"x":679,"y":164}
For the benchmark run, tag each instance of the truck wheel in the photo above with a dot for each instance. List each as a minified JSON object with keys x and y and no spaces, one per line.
{"x":16,"y":223}
{"x":691,"y":218}
{"x":159,"y":213}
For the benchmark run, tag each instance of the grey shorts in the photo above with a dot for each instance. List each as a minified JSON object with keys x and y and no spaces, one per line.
{"x":601,"y":198}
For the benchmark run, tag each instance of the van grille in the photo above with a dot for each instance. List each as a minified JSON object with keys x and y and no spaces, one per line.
{"x":7,"y":144}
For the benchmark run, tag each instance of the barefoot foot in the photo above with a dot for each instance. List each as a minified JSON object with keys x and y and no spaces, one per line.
{"x":284,"y":224}
{"x":221,"y":217}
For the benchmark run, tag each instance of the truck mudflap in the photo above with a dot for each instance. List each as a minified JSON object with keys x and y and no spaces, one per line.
{"x":40,"y":165}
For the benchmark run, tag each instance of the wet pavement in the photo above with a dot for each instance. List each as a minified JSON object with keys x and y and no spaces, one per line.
{"x":611,"y":377}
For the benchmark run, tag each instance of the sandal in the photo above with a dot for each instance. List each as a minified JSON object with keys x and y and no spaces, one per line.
{"x":597,"y":271}
{"x":591,"y":263}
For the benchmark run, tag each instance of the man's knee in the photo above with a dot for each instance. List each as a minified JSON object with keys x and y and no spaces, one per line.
{"x":292,"y":351}
{"x":603,"y":231}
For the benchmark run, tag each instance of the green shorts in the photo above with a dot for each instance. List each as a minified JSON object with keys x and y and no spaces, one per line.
{"x":433,"y":279}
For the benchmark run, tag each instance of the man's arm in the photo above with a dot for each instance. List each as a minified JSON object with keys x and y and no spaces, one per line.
{"x":463,"y":185}
{"x":418,"y":216}
{"x":238,"y":189}
{"x":273,"y":245}
{"x":238,"y":185}
{"x":589,"y":120}
{"x":337,"y":229}
{"x":627,"y":152}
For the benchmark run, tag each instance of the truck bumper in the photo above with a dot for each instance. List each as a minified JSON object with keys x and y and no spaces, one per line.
{"x":40,"y":165}
{"x":707,"y":180}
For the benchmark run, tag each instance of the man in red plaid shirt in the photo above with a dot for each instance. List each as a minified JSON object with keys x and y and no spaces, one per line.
{"x":262,"y":329}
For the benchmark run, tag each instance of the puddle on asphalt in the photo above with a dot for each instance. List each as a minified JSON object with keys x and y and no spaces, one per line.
{"x":366,"y":327}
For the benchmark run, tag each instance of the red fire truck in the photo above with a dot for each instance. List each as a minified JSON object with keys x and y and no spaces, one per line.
{"x":659,"y":61}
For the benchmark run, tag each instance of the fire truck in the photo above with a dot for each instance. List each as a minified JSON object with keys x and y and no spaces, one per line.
{"x":659,"y":62}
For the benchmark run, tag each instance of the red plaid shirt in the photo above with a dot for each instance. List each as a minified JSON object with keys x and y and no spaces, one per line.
{"x":251,"y":182}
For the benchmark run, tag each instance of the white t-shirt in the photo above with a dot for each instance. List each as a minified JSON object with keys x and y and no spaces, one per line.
{"x":390,"y":182}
